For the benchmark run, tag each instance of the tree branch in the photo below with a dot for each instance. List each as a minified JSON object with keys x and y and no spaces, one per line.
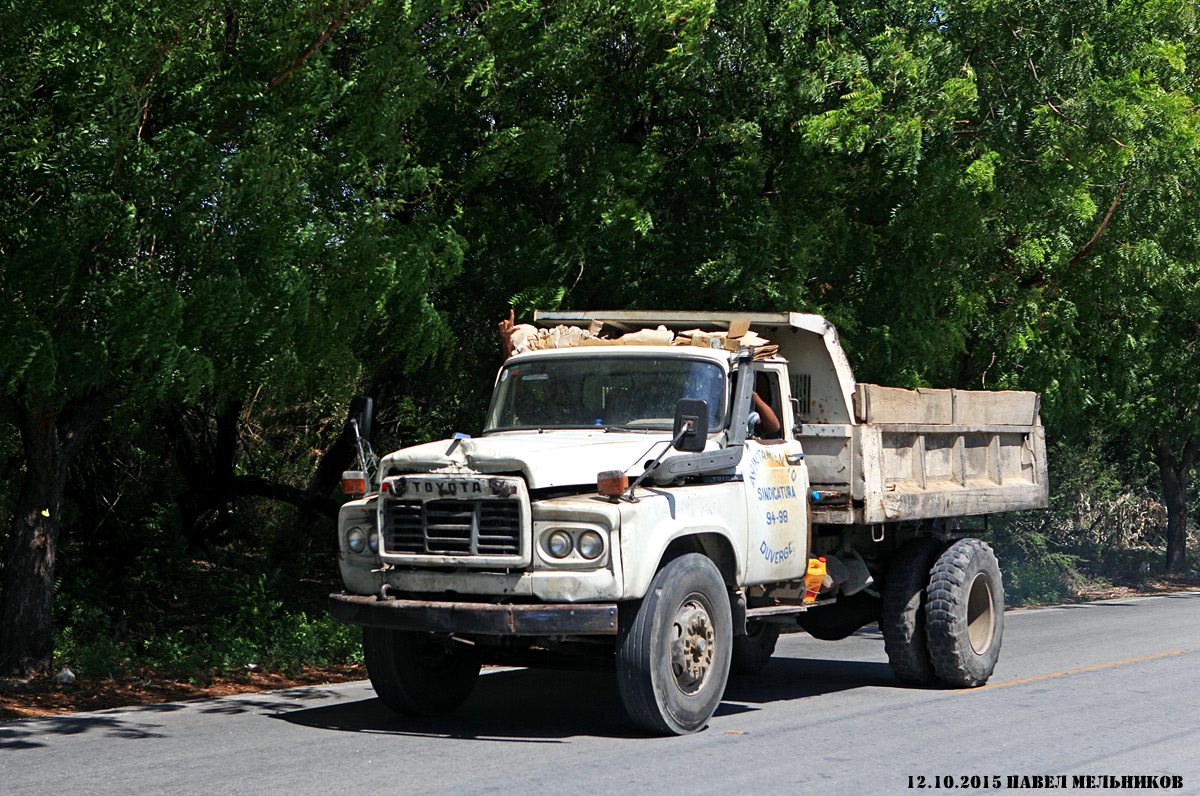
{"x":296,"y":63}
{"x":253,"y":486}
{"x":1190,"y":450}
{"x":312,"y":48}
{"x":1086,"y":251}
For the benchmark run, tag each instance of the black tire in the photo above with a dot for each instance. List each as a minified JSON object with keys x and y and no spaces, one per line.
{"x":964,"y":621}
{"x":902,"y":620}
{"x":752,"y":651}
{"x":418,"y":674}
{"x":673,"y":654}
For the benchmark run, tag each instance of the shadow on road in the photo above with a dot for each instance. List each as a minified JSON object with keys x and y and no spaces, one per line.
{"x":538,"y":706}
{"x":130,"y":723}
{"x":22,"y":734}
{"x":786,"y":679}
{"x":548,"y":706}
{"x":515,"y":705}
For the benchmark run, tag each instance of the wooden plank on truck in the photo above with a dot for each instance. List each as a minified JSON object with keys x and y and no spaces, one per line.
{"x":1004,"y":408}
{"x":876,"y":404}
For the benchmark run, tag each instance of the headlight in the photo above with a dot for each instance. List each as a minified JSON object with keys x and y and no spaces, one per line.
{"x":373,"y":541}
{"x":558,"y":544}
{"x":356,"y":540}
{"x":591,"y":545}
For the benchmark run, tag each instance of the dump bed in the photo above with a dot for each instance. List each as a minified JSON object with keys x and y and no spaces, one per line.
{"x":880,"y":454}
{"x":920,"y":454}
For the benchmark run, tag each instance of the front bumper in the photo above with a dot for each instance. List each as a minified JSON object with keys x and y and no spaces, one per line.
{"x":486,"y":619}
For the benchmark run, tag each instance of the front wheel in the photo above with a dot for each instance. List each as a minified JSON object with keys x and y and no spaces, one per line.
{"x":965,"y":619}
{"x":418,"y":674}
{"x":673,"y":657}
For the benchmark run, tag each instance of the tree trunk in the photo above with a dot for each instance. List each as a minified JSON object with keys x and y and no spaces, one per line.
{"x":338,"y":458}
{"x":1176,"y":474}
{"x":51,"y":441}
{"x":205,"y":444}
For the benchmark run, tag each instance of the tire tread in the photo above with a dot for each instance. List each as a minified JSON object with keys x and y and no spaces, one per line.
{"x":954,"y":660}
{"x":902,"y":619}
{"x":636,"y":676}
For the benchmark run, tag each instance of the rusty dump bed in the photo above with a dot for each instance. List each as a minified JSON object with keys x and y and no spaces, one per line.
{"x":881,"y":454}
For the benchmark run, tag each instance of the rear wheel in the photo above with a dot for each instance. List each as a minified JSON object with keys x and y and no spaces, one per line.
{"x":902,"y":621}
{"x":673,"y":657}
{"x":965,"y":615}
{"x":418,"y":674}
{"x":752,"y":651}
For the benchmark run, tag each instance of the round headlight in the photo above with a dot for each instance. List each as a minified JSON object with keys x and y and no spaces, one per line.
{"x":356,"y":540}
{"x":373,"y":541}
{"x":559,"y":544}
{"x":591,"y":545}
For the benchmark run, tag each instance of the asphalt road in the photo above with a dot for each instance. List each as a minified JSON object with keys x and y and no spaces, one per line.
{"x":1106,"y":689}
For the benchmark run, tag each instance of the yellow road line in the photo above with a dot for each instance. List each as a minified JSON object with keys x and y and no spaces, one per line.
{"x":1072,"y":671}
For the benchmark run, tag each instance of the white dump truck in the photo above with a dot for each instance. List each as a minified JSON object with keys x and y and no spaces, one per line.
{"x":665,"y":493}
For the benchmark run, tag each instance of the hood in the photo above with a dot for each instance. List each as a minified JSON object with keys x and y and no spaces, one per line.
{"x":547,"y":459}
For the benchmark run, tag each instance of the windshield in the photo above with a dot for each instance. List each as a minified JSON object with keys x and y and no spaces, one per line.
{"x":594,"y":391}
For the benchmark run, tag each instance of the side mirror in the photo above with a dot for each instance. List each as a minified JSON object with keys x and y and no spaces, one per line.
{"x":362,"y":410}
{"x":691,"y":425}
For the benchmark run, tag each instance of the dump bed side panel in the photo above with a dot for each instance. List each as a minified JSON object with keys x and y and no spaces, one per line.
{"x":924,"y":454}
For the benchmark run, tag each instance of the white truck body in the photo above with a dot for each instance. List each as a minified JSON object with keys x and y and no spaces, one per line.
{"x":464,"y":527}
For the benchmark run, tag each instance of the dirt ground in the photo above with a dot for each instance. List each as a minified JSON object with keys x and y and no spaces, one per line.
{"x":41,"y":696}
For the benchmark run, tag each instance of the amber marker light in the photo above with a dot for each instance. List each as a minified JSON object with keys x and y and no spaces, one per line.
{"x":354,"y":482}
{"x":612,"y":482}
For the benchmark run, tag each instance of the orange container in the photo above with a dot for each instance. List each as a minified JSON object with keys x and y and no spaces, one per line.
{"x":814,"y":578}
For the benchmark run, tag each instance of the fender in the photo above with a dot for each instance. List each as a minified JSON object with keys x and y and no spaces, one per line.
{"x":663,"y":516}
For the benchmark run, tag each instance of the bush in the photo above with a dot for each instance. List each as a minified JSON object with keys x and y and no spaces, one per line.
{"x":194,"y":618}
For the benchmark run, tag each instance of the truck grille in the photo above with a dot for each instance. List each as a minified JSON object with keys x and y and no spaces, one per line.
{"x":453,"y":527}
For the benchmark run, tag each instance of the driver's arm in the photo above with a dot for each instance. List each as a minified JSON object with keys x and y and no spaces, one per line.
{"x":768,"y":421}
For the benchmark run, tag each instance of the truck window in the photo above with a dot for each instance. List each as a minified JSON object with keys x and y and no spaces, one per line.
{"x":767,"y":386}
{"x":595,"y":391}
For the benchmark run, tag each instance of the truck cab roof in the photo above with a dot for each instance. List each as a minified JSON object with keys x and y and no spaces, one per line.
{"x":818,"y":368}
{"x":718,"y":355}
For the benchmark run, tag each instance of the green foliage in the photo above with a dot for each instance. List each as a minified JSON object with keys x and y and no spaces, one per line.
{"x":195,"y":618}
{"x":204,"y":213}
{"x":195,"y":218}
{"x":288,"y":643}
{"x":1047,"y":581}
{"x":1103,"y":523}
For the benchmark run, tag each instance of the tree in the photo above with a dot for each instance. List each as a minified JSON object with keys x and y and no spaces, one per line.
{"x":1044,"y":235}
{"x":944,"y":180}
{"x":204,"y":199}
{"x":1099,"y":219}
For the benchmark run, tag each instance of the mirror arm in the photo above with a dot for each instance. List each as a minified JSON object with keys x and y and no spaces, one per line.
{"x":729,"y":456}
{"x":652,"y":466}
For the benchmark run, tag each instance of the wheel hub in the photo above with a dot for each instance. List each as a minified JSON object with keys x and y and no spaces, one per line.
{"x":981,"y":617}
{"x":692,"y":646}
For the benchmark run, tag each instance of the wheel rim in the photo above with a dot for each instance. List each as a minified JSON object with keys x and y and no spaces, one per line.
{"x":981,"y":616}
{"x":693,"y":645}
